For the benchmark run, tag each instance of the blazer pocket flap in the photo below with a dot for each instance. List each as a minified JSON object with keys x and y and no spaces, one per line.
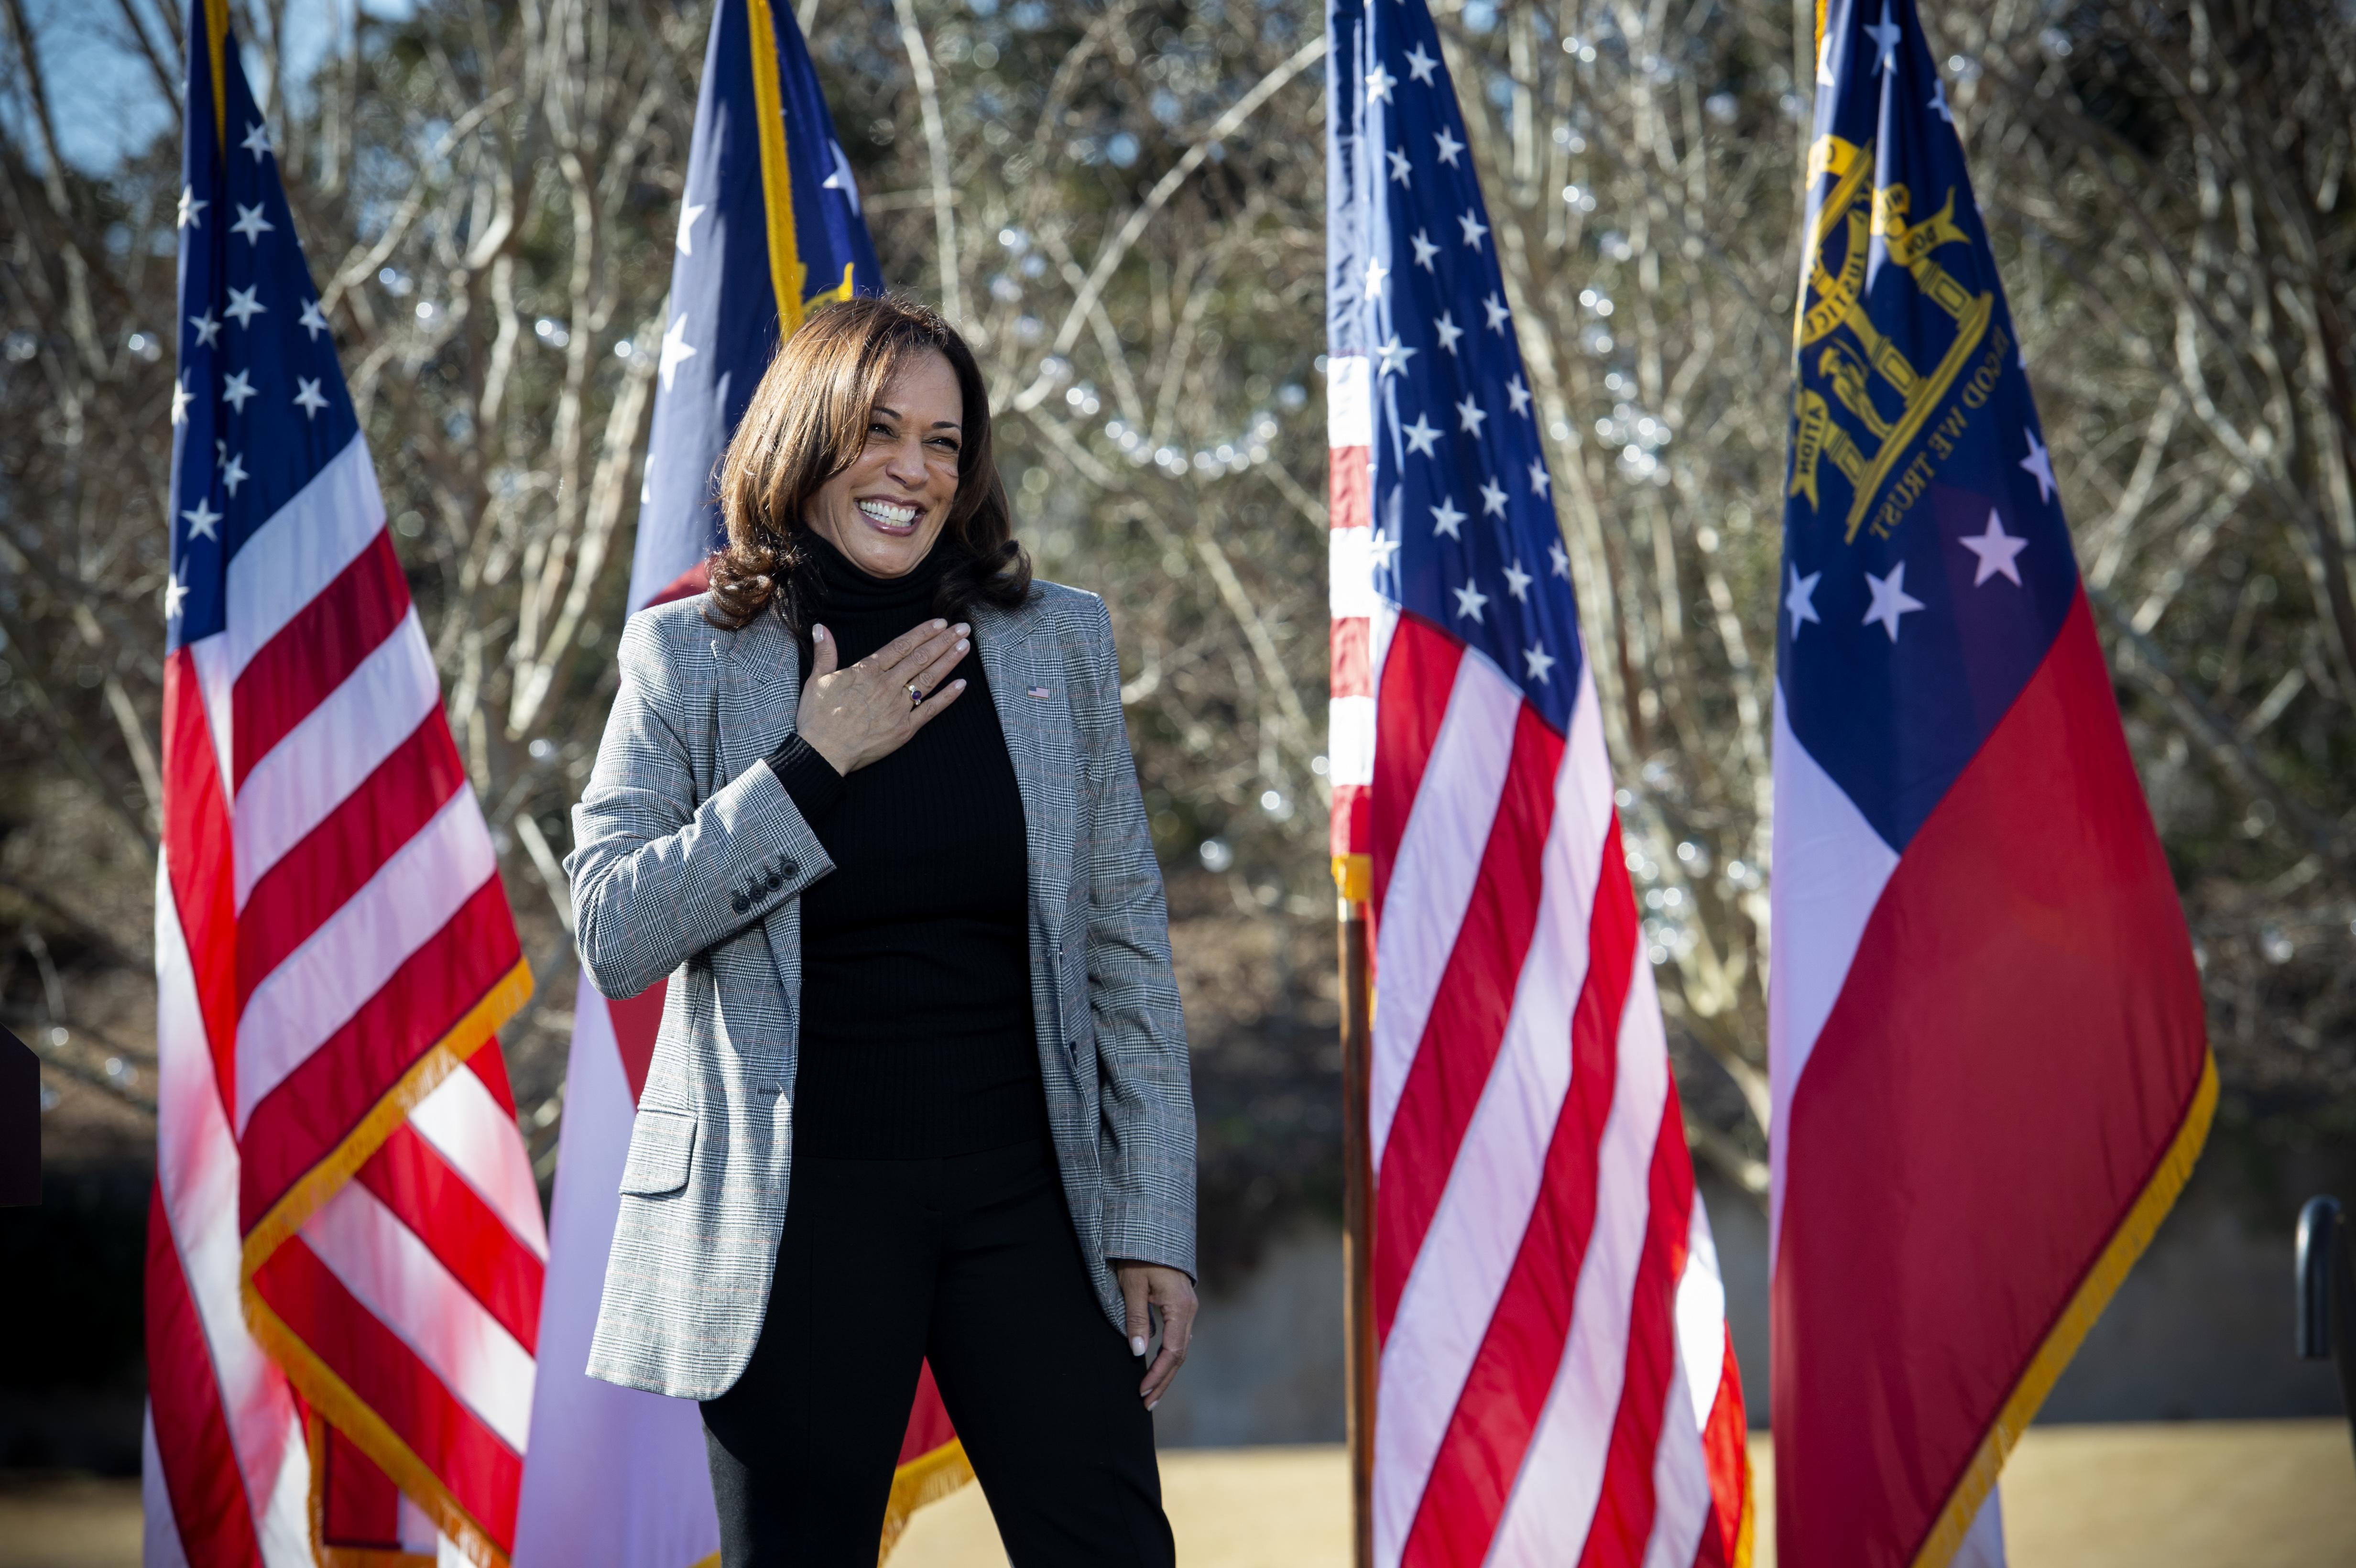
{"x":662,"y":1146}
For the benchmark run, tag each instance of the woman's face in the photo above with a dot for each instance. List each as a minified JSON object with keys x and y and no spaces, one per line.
{"x":884,"y":511}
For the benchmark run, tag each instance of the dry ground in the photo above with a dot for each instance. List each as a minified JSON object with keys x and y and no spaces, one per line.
{"x":2198,"y":1495}
{"x":2216,"y":1495}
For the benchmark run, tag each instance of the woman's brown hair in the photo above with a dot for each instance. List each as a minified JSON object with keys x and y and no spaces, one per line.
{"x":807,"y":423}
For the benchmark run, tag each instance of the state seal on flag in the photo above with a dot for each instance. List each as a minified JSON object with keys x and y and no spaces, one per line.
{"x":1880,"y":429}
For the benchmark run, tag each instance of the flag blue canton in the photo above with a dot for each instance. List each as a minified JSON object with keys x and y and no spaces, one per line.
{"x":725,"y":313}
{"x":1927,"y":566}
{"x":259,"y":406}
{"x":1464,"y":530}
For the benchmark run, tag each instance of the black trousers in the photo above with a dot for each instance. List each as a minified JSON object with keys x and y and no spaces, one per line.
{"x":969,"y":1261}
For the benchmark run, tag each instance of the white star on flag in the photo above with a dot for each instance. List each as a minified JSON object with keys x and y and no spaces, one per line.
{"x":257,"y":141}
{"x":307,"y":396}
{"x":1492,"y":499}
{"x":1400,"y":169}
{"x":1890,"y":599}
{"x":233,"y":474}
{"x":1938,"y":105}
{"x":687,"y":214}
{"x":1469,"y":600}
{"x":202,"y":521}
{"x":1448,"y":147}
{"x":1424,"y":250}
{"x":1469,"y":417}
{"x":1422,"y":437}
{"x":1825,"y":62}
{"x":1420,"y":65}
{"x":249,"y":223}
{"x":174,"y":592}
{"x":1540,"y":660}
{"x":1382,"y":547}
{"x":1885,"y":34}
{"x":1799,"y":598}
{"x":1519,"y":394}
{"x":236,"y":390}
{"x":1446,"y":519}
{"x":1473,"y":227}
{"x":1541,"y":482}
{"x":841,"y":180}
{"x":1394,"y":357}
{"x":1559,"y":561}
{"x":181,"y":398}
{"x":1379,"y":83}
{"x":1498,"y":314}
{"x":191,"y":210}
{"x":207,"y":329}
{"x":1448,"y":329}
{"x":244,"y":307}
{"x":1997,"y":551}
{"x":312,"y":322}
{"x":2040,"y":463}
{"x":1376,"y":273}
{"x":1517,"y":582}
{"x":676,"y":349}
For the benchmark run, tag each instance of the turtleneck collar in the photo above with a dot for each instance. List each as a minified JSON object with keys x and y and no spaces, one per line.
{"x":846,"y":587}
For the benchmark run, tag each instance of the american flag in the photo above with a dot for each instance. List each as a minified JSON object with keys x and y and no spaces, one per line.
{"x":345,"y":1249}
{"x":1555,"y":1382}
{"x":1986,"y":1042}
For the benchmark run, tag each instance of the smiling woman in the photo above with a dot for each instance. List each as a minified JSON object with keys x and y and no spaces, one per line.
{"x":921,"y":1091}
{"x":872,"y":432}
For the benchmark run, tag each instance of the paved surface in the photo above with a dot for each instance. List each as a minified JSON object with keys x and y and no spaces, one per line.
{"x":2197,"y":1495}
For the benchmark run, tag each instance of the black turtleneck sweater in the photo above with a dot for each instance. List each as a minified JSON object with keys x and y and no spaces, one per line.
{"x":917,"y":1029}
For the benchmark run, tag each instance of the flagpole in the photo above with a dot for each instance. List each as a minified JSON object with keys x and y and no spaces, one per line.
{"x":1357,"y":1233}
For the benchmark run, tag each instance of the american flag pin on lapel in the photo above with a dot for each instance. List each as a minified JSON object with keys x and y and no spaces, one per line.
{"x":1039,"y":691}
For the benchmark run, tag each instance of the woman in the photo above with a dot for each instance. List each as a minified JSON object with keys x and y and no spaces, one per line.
{"x":921,"y":1086}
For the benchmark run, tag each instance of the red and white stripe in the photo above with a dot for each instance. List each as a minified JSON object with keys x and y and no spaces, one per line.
{"x":333,"y":947}
{"x":1555,"y":1382}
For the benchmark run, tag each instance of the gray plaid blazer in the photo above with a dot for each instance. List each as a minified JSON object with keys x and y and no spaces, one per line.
{"x":689,"y":862}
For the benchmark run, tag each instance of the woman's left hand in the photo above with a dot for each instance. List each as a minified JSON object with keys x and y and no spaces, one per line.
{"x":1143,"y":1285}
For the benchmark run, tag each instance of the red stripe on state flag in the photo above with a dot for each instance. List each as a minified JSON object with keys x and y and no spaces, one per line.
{"x":1499,"y":1408}
{"x":388,"y":1385}
{"x":474,"y":1243}
{"x":2034,"y":907}
{"x":210,"y":1512}
{"x":1419,"y":676}
{"x":317,"y":650}
{"x":1467,"y":1020}
{"x":298,"y":895}
{"x":197,"y":854}
{"x":317,"y":1107}
{"x":636,"y":1021}
{"x":1625,"y":1508}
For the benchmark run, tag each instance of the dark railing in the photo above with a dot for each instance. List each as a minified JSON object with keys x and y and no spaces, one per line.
{"x":2327,"y":1295}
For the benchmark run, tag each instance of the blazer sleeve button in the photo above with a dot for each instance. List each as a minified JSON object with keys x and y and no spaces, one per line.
{"x":740,"y":903}
{"x":776,"y":881}
{"x":789,"y":869}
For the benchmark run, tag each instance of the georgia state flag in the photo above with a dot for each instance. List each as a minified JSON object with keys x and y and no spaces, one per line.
{"x":1990,"y":1067}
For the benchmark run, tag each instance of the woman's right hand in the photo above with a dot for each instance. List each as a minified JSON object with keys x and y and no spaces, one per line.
{"x":857,"y":716}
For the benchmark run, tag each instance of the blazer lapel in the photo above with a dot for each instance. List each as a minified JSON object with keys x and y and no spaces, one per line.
{"x":760,"y":690}
{"x":1039,"y":741}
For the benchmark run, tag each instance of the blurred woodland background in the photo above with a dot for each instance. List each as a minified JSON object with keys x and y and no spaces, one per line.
{"x":1122,"y":205}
